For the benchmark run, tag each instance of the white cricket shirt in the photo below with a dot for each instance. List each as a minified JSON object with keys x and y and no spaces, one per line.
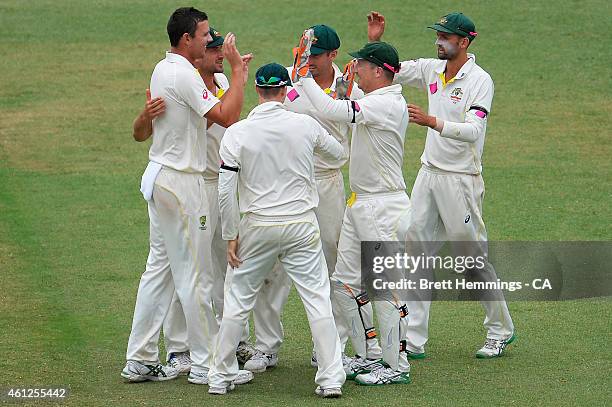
{"x":464,"y":104}
{"x":179,"y":135}
{"x":377,"y":145}
{"x":215,"y":134}
{"x":272,"y":153}
{"x":296,"y":102}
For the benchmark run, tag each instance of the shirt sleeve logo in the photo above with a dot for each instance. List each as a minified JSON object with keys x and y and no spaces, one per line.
{"x":292,"y":95}
{"x":205,"y":94}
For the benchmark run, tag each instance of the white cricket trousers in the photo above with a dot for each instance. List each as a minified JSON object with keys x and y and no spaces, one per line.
{"x":273,"y":295}
{"x":448,"y":206}
{"x":175,"y":329}
{"x":371,"y":217}
{"x":296,"y":243}
{"x":177,"y":254}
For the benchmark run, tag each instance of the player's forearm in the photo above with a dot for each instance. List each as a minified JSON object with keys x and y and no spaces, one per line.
{"x":228,"y":204}
{"x":233,"y":99}
{"x":468,"y":132}
{"x":328,"y":108}
{"x":143,"y":127}
{"x":330,"y":148}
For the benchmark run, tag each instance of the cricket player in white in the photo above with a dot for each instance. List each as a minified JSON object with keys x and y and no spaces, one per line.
{"x":378,"y":210}
{"x":269,"y":158}
{"x":210,"y":68}
{"x":448,"y":192}
{"x":174,"y":188}
{"x":329,"y":212}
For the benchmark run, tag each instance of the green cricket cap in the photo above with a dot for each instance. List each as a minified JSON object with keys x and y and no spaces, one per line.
{"x":217,"y":39}
{"x":272,"y":75}
{"x":325,"y":39}
{"x":456,"y":23}
{"x":380,"y":54}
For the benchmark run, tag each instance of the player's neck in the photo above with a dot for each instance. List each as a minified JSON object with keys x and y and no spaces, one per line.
{"x":454,"y":65}
{"x":326,"y":80}
{"x":183,"y":53}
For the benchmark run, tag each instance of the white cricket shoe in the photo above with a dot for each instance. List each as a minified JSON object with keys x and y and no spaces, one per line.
{"x":139,"y":372}
{"x":244,"y":376}
{"x":244,"y":352}
{"x":180,"y":361}
{"x":328,"y":392}
{"x":358,"y":365}
{"x":219,"y":391}
{"x":494,"y":348}
{"x":383,"y":375}
{"x":261,"y":361}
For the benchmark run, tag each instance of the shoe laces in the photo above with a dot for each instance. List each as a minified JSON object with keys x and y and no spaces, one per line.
{"x":259,"y":355}
{"x":381,"y":371}
{"x":493,"y":344}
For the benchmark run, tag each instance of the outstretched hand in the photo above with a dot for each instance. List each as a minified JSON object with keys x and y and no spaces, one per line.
{"x":376,"y":26}
{"x":246,"y":59}
{"x":230,"y":51}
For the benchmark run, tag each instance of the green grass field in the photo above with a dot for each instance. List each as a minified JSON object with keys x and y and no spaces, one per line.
{"x":74,"y":227}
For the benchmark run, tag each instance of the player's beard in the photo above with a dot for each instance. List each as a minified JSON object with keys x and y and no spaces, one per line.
{"x":446,"y":49}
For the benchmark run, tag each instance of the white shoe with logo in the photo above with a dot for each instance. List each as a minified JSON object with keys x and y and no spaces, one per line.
{"x":139,"y":372}
{"x":261,"y":361}
{"x":180,"y":361}
{"x":494,"y":348}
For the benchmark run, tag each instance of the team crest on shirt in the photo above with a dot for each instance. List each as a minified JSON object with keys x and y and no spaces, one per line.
{"x":456,"y":95}
{"x":202,"y":222}
{"x":205,"y":94}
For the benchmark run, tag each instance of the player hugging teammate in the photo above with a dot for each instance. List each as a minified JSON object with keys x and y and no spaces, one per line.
{"x":209,"y":267}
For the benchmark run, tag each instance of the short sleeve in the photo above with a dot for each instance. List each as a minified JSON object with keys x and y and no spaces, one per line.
{"x":190,"y":87}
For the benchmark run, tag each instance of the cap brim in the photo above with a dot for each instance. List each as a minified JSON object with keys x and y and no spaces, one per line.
{"x":317,"y":51}
{"x":214,"y":44}
{"x":441,"y":28}
{"x":355,"y":54}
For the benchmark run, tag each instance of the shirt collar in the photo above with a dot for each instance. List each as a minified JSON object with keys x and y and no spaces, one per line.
{"x":397,"y":88}
{"x":178,"y":59}
{"x":465,"y":69}
{"x":266,"y":107}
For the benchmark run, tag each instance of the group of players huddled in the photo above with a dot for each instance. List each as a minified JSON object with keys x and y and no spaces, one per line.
{"x":280,"y":167}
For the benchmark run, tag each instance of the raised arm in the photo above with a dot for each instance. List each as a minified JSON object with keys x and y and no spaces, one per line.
{"x":227,"y":111}
{"x":337,"y":110}
{"x":376,"y":26}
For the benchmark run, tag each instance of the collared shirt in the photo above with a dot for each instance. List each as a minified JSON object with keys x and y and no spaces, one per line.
{"x":377,"y":145}
{"x":464,"y":104}
{"x":215,"y":134}
{"x":272,"y":151}
{"x":179,"y":135}
{"x":296,"y":102}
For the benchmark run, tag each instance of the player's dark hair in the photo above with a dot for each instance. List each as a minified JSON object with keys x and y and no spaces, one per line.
{"x":184,"y":20}
{"x":388,"y":75}
{"x":269,"y":93}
